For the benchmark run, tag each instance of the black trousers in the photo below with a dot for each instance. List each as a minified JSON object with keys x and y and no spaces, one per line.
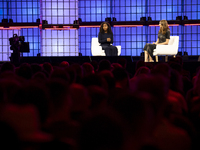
{"x":149,"y":48}
{"x":110,"y":50}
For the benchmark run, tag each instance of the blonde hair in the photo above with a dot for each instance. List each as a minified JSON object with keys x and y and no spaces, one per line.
{"x":164,"y":27}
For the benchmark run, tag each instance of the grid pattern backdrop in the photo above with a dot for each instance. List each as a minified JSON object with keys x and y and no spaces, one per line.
{"x":21,"y":11}
{"x":59,"y":43}
{"x":129,"y":10}
{"x":95,"y":10}
{"x":54,"y":42}
{"x":165,"y":9}
{"x":70,"y":42}
{"x":133,"y":39}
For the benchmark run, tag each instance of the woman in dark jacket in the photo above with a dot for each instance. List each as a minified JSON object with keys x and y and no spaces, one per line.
{"x":105,"y":38}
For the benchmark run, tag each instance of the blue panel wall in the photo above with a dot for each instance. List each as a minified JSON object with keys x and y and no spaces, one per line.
{"x":129,"y":10}
{"x":55,"y":42}
{"x":133,"y":39}
{"x":23,"y":10}
{"x":95,"y":10}
{"x":3,"y":9}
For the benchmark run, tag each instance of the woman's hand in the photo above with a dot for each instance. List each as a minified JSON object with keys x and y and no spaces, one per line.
{"x":108,"y":39}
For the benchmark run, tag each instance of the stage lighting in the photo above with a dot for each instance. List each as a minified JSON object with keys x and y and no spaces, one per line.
{"x":44,"y":22}
{"x":38,"y":20}
{"x":4,"y":20}
{"x":185,"y":53}
{"x":143,"y":19}
{"x":185,"y":18}
{"x":10,"y":21}
{"x":149,"y":19}
{"x":114,"y":19}
{"x":108,"y":19}
{"x":179,"y":54}
{"x":179,"y":18}
{"x":79,"y":20}
{"x":76,"y":22}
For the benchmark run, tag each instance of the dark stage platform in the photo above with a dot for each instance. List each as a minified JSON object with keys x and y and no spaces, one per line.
{"x":82,"y":59}
{"x":191,"y":63}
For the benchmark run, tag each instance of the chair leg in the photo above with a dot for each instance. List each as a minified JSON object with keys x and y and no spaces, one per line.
{"x":156,"y":58}
{"x":166,"y":58}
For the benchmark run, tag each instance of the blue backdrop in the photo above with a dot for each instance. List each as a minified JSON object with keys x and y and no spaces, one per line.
{"x":132,"y":39}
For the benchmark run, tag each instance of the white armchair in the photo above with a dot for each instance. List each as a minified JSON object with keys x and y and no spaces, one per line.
{"x":96,"y":49}
{"x":170,"y":49}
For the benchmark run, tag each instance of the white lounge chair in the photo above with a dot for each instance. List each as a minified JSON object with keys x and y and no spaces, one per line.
{"x":96,"y":49}
{"x":170,"y":49}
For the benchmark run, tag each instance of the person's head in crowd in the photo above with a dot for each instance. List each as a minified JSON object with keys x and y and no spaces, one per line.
{"x":139,"y":64}
{"x":7,"y":66}
{"x":176,"y":82}
{"x":79,"y":98}
{"x":197,"y":83}
{"x":59,"y":103}
{"x":9,"y":138}
{"x":187,"y":85}
{"x":60,"y":73}
{"x":157,"y":86}
{"x":36,"y":68}
{"x":72,"y":74}
{"x":36,"y":94}
{"x":138,"y":110}
{"x":95,"y":65}
{"x":121,"y":78}
{"x":8,"y":74}
{"x":103,"y":131}
{"x":98,"y":97}
{"x":109,"y":78}
{"x":149,"y":65}
{"x":162,"y":69}
{"x":176,"y":66}
{"x":94,"y":79}
{"x":142,"y":71}
{"x":39,"y":77}
{"x":79,"y":72}
{"x":177,"y":59}
{"x":64,"y":64}
{"x":47,"y":67}
{"x":87,"y":69}
{"x":8,"y":89}
{"x":122,"y":62}
{"x":24,"y":71}
{"x":104,"y":65}
{"x":115,"y":65}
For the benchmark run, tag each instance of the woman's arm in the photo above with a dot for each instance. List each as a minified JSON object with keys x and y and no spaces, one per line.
{"x":100,"y":38}
{"x":111,"y":38}
{"x":156,"y":42}
{"x":164,"y":43}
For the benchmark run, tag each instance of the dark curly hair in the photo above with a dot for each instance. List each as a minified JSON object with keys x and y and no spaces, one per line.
{"x":109,"y":27}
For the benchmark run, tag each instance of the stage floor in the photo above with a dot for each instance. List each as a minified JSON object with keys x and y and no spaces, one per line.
{"x":82,"y":59}
{"x":190,"y":63}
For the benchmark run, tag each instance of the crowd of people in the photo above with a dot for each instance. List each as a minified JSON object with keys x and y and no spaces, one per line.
{"x":99,"y":106}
